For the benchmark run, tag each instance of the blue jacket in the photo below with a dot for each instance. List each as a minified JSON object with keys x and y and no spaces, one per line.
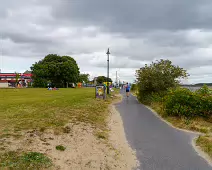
{"x":128,"y":87}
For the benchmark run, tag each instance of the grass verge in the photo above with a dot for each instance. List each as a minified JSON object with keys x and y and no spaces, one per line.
{"x":205,"y":142}
{"x":196,"y":124}
{"x":20,"y":161}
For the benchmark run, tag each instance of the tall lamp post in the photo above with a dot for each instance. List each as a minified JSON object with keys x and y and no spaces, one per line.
{"x":108,"y":54}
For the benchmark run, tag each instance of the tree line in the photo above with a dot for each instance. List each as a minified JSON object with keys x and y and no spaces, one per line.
{"x":59,"y":71}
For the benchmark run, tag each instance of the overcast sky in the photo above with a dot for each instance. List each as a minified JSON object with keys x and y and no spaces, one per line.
{"x":137,"y":32}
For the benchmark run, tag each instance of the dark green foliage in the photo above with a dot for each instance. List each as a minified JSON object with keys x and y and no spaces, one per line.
{"x":60,"y":148}
{"x":84,"y":78}
{"x":157,"y":78}
{"x":102,"y":79}
{"x":153,"y":97}
{"x":133,"y":87}
{"x":184,"y":103}
{"x":204,"y":90}
{"x":155,"y":82}
{"x":59,"y":70}
{"x":28,"y":72}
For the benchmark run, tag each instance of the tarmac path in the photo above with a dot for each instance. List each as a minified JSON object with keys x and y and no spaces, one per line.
{"x":158,"y":145}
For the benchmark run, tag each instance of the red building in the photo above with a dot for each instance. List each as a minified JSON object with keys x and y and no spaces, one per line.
{"x":9,"y":79}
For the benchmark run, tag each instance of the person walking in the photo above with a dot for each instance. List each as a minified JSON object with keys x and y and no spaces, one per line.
{"x":127,"y":90}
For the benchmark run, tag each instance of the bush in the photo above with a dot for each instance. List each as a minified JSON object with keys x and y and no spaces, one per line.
{"x":184,"y":103}
{"x":133,"y":87}
{"x":155,"y":79}
{"x":60,"y":148}
{"x":204,"y":90}
{"x":148,"y":99}
{"x":145,"y":98}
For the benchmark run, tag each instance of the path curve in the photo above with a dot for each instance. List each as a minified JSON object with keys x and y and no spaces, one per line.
{"x":158,"y":146}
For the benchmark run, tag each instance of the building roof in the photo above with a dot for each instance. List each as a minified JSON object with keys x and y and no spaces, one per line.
{"x":3,"y":81}
{"x":14,"y":74}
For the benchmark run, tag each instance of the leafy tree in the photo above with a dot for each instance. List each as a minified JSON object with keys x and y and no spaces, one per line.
{"x":59,"y":70}
{"x":158,"y":77}
{"x":84,"y":78}
{"x":102,"y":79}
{"x":28,"y":72}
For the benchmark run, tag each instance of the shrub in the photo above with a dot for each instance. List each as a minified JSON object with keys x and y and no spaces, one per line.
{"x":60,"y":148}
{"x":148,"y":99}
{"x":184,"y":103}
{"x":204,"y":90}
{"x":145,"y":98}
{"x":157,"y":78}
{"x":133,"y":87}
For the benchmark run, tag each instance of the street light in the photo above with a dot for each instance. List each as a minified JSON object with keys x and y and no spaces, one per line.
{"x":108,"y":54}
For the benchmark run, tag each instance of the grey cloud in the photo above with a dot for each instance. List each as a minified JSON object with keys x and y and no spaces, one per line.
{"x":137,"y":15}
{"x":117,"y":62}
{"x":136,"y":31}
{"x":24,"y":38}
{"x":192,"y":61}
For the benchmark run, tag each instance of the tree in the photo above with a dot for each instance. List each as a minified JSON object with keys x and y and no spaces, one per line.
{"x":59,"y":70}
{"x":101,"y":79}
{"x":84,"y":78}
{"x":158,"y":77}
{"x":28,"y":72}
{"x":17,"y":76}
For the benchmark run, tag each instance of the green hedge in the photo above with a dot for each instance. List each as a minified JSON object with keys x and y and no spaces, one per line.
{"x":184,"y":103}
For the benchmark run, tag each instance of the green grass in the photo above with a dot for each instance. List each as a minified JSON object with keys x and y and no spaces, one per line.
{"x":205,"y":142}
{"x":23,"y":109}
{"x":197,"y":124}
{"x":20,"y":161}
{"x":60,"y":148}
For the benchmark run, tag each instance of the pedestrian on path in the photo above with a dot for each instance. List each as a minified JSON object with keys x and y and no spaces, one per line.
{"x":127,"y":90}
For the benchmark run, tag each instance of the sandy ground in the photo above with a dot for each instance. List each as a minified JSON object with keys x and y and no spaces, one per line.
{"x":84,"y":151}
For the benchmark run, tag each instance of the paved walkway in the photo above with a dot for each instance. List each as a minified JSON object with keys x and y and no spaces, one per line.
{"x":158,"y":146}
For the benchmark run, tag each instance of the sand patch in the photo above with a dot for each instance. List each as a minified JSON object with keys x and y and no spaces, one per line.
{"x":84,"y":151}
{"x":127,"y":157}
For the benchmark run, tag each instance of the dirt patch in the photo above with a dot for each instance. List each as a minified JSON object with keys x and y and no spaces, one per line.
{"x":83,"y":150}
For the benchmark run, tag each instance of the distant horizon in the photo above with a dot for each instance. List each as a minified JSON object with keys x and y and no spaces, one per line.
{"x":131,"y":82}
{"x":197,"y":84}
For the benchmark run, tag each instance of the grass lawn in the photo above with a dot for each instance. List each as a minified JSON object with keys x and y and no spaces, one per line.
{"x":40,"y":109}
{"x":22,"y":109}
